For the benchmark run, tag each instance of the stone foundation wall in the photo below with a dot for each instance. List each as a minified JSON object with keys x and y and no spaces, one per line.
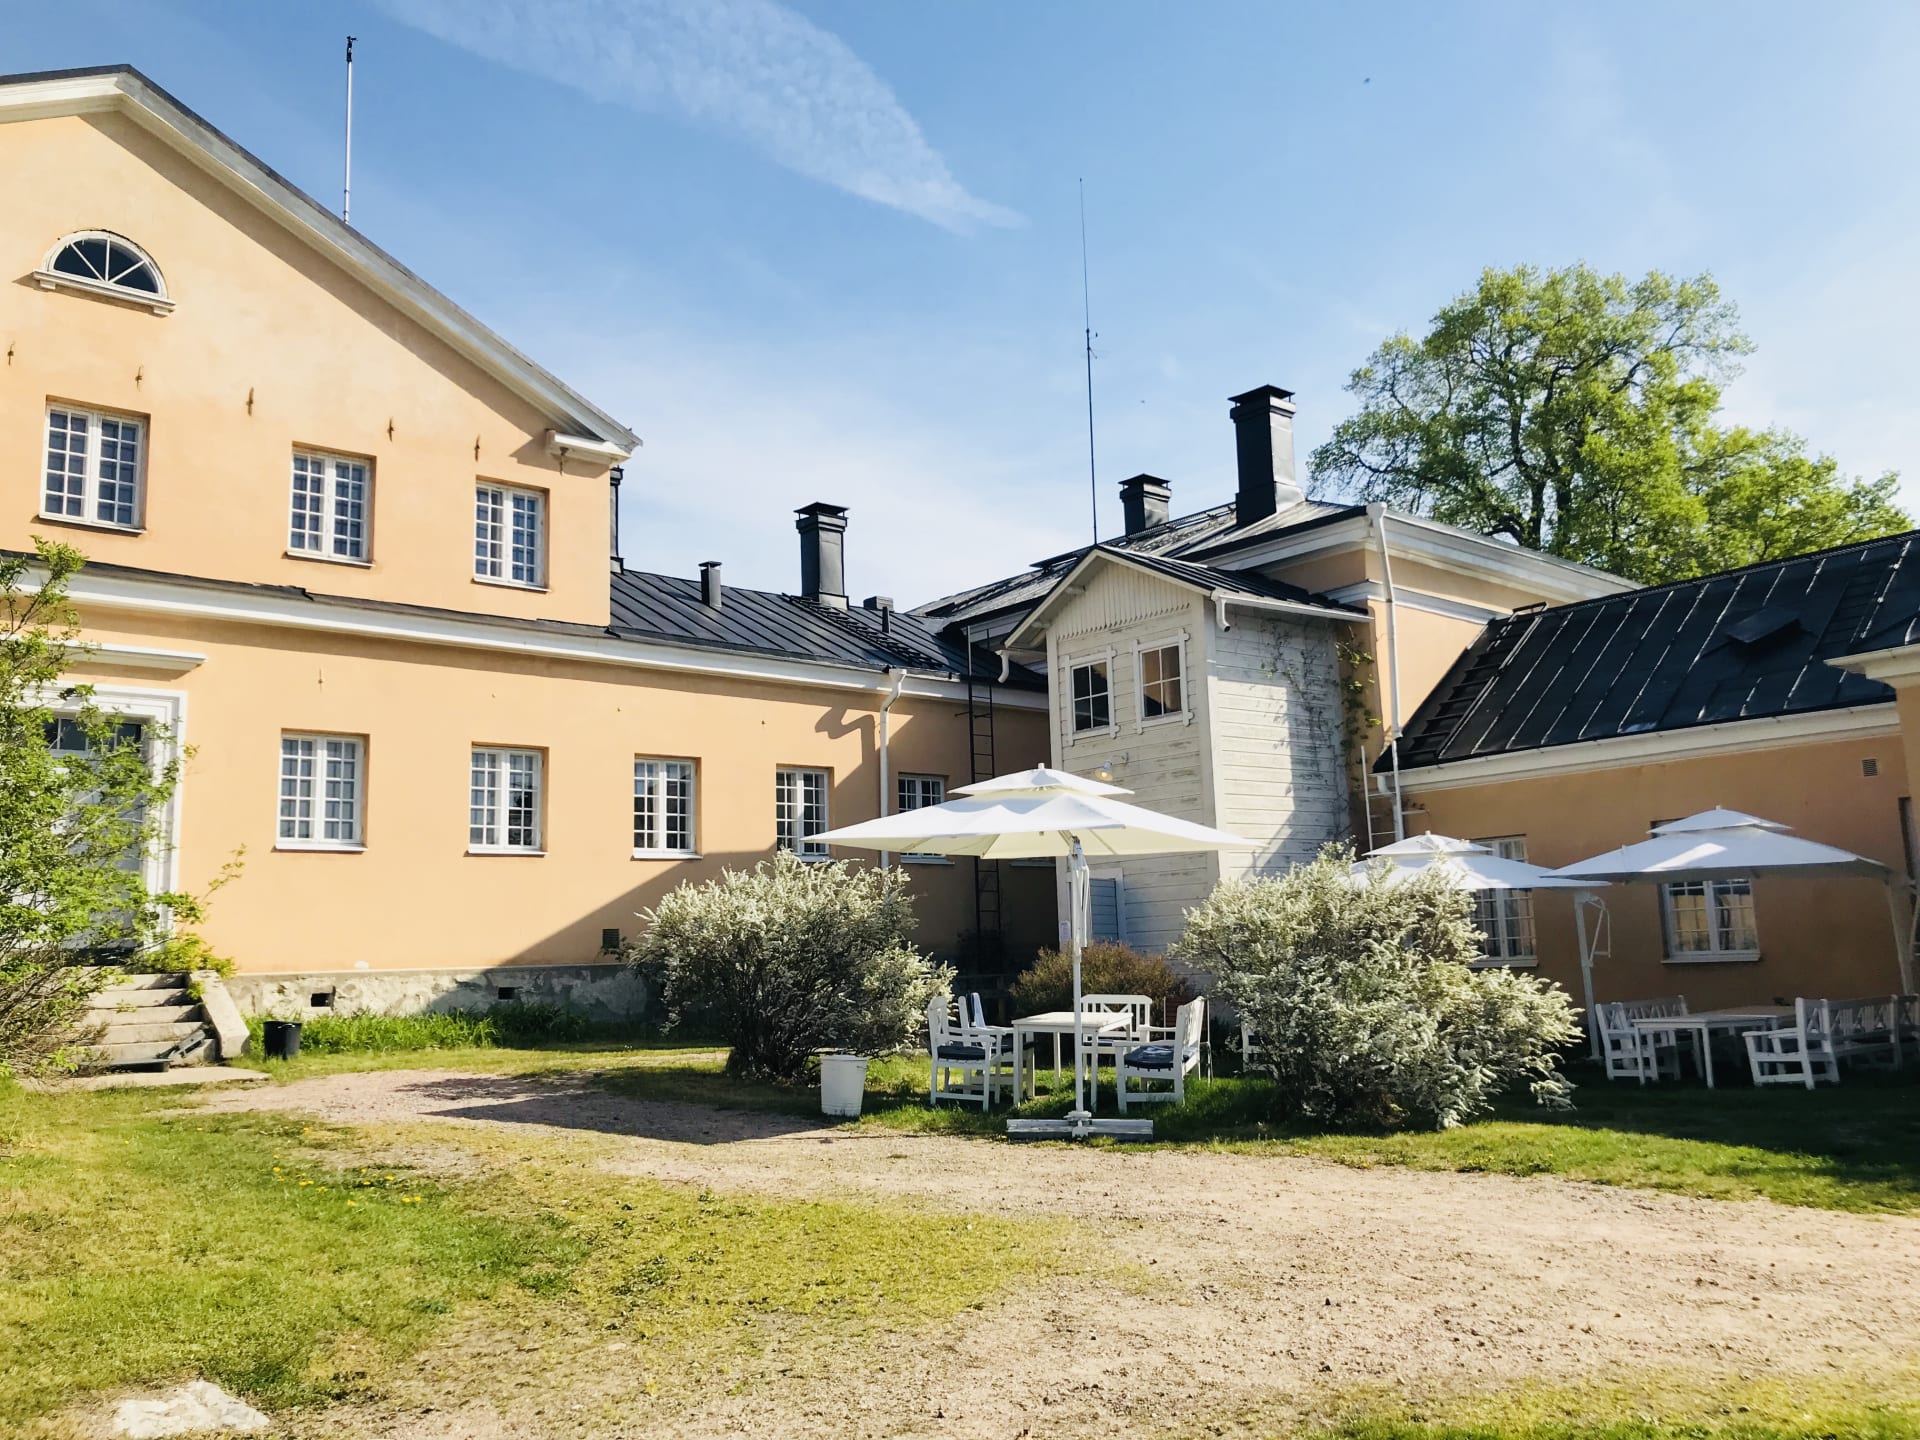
{"x":600,"y":992}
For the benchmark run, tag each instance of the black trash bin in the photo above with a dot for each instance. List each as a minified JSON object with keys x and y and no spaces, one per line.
{"x":281,"y":1039}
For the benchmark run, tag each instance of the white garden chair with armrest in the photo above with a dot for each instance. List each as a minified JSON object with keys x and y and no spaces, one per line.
{"x":1631,"y":1053}
{"x":982,"y":1056}
{"x":1823,"y":1033}
{"x":1138,"y":1010}
{"x":1168,"y":1055}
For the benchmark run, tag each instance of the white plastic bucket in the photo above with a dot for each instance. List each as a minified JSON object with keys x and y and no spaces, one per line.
{"x":843,"y":1084}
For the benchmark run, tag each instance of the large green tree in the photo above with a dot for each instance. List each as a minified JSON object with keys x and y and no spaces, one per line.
{"x":1578,"y":413}
{"x":80,"y":801}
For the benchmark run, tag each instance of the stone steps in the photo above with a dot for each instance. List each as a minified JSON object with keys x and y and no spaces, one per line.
{"x":148,"y":1020}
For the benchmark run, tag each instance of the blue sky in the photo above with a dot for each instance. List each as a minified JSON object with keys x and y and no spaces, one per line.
{"x":832,"y":251}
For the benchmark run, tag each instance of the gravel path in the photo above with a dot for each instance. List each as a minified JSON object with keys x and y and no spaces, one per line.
{"x":1275,"y":1275}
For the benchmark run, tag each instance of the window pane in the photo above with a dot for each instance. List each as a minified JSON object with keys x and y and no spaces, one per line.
{"x":524,"y":559}
{"x":483,"y":823}
{"x":342,"y":818}
{"x":1160,"y":682}
{"x":800,"y":810}
{"x":1092,"y":708}
{"x":309,"y":503}
{"x":296,"y":788}
{"x":1687,"y":911}
{"x":349,"y":510}
{"x":489,"y":527}
{"x":1733,"y":916}
{"x":116,"y":501}
{"x":67,"y":435}
{"x":523,"y":800}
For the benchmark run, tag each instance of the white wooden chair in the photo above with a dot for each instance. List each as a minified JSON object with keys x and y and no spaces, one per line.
{"x":980,"y":1055}
{"x":1138,"y":1010}
{"x":1168,"y":1055}
{"x":1823,"y":1033}
{"x":1631,"y":1052}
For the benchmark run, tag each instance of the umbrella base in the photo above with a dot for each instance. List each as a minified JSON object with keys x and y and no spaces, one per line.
{"x":1085,"y":1128}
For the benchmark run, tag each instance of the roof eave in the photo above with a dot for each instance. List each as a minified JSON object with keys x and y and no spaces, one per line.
{"x":126,"y":91}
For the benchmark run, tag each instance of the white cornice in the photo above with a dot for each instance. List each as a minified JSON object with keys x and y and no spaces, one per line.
{"x":1733,"y":737}
{"x":90,"y":654}
{"x":95,"y":592}
{"x":1368,"y":590}
{"x":156,"y":112}
{"x":1441,"y":546}
{"x":1891,"y":666}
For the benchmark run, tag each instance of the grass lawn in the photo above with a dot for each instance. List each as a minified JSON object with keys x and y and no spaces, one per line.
{"x":286,"y":1260}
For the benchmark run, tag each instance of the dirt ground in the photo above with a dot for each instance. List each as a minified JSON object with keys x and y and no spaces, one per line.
{"x":1273,"y":1277}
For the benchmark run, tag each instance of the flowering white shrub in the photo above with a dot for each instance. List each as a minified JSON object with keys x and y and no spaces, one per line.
{"x":791,"y":957}
{"x":1363,"y":999}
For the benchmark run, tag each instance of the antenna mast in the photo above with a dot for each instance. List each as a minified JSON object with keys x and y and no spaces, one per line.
{"x":346,"y":183}
{"x":1086,"y":308}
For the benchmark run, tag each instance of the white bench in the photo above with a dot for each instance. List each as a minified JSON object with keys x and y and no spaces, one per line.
{"x":1875,"y":1030}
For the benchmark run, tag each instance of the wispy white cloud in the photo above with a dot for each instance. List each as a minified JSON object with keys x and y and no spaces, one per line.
{"x":753,"y":69}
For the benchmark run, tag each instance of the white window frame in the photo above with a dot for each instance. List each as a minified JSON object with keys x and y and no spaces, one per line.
{"x":1499,"y":924}
{"x":334,"y":501}
{"x":1715,"y":953}
{"x":1182,"y":716}
{"x":797,"y":778}
{"x":90,"y":477}
{"x":920,"y":787}
{"x":493,"y":535}
{"x":51,"y":279}
{"x":1072,"y":663}
{"x":659,"y":774}
{"x":324,"y":751}
{"x":492,"y":811}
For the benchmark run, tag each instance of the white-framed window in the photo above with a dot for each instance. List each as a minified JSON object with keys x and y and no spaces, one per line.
{"x":800,"y":810}
{"x":332,"y":507}
{"x":509,"y":535}
{"x":1710,"y":920}
{"x":1160,"y":671}
{"x":1091,"y":686}
{"x":503,"y":806}
{"x":1505,"y":917}
{"x":916,"y":792}
{"x":662,"y":807}
{"x":103,"y":263}
{"x":322,"y":792}
{"x":96,"y":467}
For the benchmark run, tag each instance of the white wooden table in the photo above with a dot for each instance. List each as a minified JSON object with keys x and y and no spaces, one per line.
{"x":1700,"y":1025}
{"x":1100,"y":1024}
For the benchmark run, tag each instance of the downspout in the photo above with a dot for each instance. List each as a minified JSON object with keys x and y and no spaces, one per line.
{"x":886,"y":706}
{"x":1377,"y":516}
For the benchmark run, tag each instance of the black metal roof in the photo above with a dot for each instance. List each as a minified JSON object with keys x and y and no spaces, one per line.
{"x":762,"y":622}
{"x":1745,"y":644}
{"x":1213,"y":531}
{"x":1245,"y":582}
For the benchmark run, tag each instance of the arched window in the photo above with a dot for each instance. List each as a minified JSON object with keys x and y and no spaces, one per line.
{"x":102,"y":263}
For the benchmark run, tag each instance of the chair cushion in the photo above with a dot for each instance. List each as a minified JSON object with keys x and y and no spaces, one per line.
{"x":962,"y":1052}
{"x":1150,"y":1057}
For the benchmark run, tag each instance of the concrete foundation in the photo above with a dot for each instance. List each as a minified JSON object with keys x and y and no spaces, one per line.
{"x":600,"y":992}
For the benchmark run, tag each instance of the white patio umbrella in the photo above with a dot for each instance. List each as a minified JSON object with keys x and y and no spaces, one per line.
{"x":1730,"y":845}
{"x":1477,"y":867}
{"x":1037,"y":813}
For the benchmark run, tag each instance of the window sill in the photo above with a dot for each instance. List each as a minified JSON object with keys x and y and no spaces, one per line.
{"x":1488,"y":962}
{"x":503,"y":850}
{"x":926,"y":860}
{"x":59,"y":280}
{"x":1104,"y":732}
{"x":1714,"y":957}
{"x":329,"y":559}
{"x":819,"y":858}
{"x":318,"y":847}
{"x":500,"y":584}
{"x":82,"y":523}
{"x":1178,"y":718}
{"x":667,"y":855}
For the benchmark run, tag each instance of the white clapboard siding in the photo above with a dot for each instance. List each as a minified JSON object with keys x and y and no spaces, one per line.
{"x":1278,"y":737}
{"x":1166,"y":764}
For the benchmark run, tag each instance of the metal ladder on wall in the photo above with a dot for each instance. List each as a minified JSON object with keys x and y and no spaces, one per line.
{"x":984,"y":766}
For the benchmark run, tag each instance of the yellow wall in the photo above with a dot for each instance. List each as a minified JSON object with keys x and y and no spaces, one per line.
{"x":1828,"y":937}
{"x":269,"y":347}
{"x":414,"y":898}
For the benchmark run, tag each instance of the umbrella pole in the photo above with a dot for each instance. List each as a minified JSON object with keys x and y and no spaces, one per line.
{"x":1079,"y":903}
{"x":1901,"y":951}
{"x":1581,"y":900}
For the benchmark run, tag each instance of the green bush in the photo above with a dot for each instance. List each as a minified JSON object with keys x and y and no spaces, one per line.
{"x":1364,"y":999}
{"x":520,"y":1023}
{"x":788,"y":958}
{"x":1105,"y":969}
